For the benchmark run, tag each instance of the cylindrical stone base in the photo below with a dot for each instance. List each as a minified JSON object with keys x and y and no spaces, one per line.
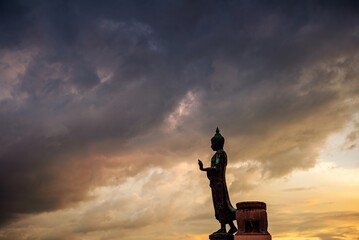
{"x":252,"y":221}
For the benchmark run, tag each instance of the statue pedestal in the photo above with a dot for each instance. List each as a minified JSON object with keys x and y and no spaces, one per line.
{"x":221,"y":236}
{"x":252,"y":221}
{"x":253,"y":237}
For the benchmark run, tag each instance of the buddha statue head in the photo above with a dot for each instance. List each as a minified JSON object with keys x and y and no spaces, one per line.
{"x":217,"y":141}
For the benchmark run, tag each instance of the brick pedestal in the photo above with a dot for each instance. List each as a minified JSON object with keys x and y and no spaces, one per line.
{"x":252,"y":221}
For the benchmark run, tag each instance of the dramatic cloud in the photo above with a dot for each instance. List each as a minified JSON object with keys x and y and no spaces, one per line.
{"x":94,"y":95}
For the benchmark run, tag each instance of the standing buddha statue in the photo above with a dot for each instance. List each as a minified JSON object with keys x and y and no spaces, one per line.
{"x":216,"y":173}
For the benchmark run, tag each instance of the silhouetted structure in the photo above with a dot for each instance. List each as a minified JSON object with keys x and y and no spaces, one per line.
{"x":251,"y":216}
{"x":224,"y":211}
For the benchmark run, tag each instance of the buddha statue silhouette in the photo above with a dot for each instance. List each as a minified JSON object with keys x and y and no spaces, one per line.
{"x":224,"y":211}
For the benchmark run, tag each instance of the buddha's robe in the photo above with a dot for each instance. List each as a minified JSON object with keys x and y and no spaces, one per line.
{"x":224,"y":211}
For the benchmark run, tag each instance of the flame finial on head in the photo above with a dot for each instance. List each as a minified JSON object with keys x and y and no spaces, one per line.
{"x":218,"y":139}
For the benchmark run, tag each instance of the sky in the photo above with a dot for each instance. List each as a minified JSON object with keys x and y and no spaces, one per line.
{"x":105,"y":107}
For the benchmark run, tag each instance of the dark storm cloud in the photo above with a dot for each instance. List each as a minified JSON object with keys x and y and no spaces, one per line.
{"x":97,"y":75}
